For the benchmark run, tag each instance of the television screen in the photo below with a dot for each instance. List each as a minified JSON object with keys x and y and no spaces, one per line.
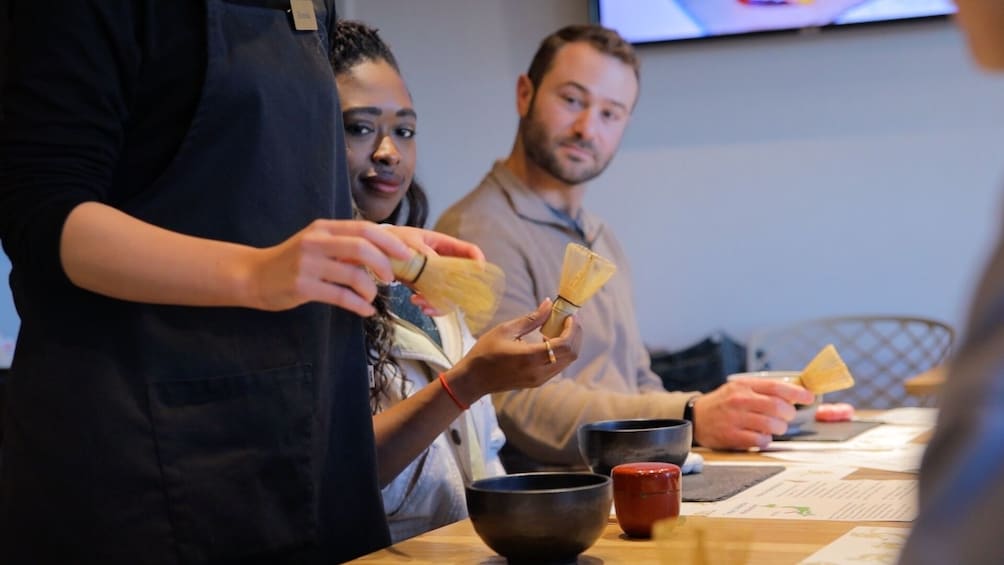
{"x":645,"y":21}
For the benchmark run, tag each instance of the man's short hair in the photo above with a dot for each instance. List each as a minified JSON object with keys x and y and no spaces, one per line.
{"x":604,"y":40}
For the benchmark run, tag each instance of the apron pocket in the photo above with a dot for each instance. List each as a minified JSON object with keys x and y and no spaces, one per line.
{"x":235,"y":456}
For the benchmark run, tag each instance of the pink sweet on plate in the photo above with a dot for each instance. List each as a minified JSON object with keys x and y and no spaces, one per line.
{"x":835,"y":412}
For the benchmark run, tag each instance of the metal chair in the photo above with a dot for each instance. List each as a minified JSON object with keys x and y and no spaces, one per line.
{"x":880,"y":351}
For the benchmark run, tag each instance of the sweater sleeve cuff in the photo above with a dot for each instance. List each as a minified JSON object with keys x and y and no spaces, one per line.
{"x":34,"y":245}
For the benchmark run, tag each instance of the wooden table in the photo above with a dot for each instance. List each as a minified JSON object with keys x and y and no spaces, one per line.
{"x":711,"y":541}
{"x":927,"y":383}
{"x":698,"y":540}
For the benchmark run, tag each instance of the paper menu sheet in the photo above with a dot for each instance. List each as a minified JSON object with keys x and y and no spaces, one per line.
{"x":880,"y":438}
{"x":820,"y":496}
{"x":863,"y":546}
{"x":887,"y":447}
{"x":908,"y":416}
{"x":903,"y":459}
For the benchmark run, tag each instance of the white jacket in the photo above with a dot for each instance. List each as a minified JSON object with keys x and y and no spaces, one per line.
{"x":429,"y":492}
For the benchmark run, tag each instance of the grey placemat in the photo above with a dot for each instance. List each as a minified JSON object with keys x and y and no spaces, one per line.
{"x":718,"y":482}
{"x":828,"y":431}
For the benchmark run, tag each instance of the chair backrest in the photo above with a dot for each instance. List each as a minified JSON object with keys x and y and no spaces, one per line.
{"x":880,"y":351}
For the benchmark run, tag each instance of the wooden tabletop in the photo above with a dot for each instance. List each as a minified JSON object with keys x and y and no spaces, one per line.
{"x":695,"y":540}
{"x":926,"y":383}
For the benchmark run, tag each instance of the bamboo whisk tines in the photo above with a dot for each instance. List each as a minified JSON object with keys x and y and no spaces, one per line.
{"x":450,"y":283}
{"x":583,"y":274}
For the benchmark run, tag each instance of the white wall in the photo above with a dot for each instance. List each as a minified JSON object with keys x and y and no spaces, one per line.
{"x":763,"y":179}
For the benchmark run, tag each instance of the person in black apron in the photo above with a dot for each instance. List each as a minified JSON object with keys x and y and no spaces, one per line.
{"x":142,"y":425}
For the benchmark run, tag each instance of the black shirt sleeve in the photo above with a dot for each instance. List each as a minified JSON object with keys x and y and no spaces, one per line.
{"x":98,"y":96}
{"x":4,"y":49}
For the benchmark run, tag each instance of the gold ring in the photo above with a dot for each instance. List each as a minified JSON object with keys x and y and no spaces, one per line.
{"x":551,"y":358}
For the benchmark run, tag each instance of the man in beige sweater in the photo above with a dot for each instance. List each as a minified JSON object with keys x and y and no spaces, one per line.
{"x":574,"y":104}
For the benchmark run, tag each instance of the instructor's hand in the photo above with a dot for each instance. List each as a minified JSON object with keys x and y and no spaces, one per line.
{"x":326,"y":262}
{"x":434,"y":243}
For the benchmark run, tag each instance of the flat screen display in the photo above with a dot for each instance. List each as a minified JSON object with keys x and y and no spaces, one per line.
{"x":648,"y":21}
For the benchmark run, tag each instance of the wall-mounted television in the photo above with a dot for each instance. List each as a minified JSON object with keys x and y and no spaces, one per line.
{"x":649,"y":21}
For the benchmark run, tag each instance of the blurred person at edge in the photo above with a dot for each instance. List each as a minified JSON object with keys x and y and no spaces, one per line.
{"x":961,"y":505}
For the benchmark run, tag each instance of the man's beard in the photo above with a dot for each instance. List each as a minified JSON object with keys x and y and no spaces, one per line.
{"x":541,"y":152}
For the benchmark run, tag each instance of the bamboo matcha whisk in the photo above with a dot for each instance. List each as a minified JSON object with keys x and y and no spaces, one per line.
{"x":583,"y":273}
{"x":827,"y":372}
{"x":448,"y":283}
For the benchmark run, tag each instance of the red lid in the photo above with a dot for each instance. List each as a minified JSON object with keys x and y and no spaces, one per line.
{"x":646,"y":478}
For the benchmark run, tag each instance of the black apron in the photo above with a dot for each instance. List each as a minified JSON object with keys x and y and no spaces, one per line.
{"x":174,"y":434}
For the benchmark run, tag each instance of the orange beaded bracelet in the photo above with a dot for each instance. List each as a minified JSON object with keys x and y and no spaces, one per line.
{"x":446,"y":387}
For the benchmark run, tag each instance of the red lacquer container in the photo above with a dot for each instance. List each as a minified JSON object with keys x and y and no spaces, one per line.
{"x":644,"y":493}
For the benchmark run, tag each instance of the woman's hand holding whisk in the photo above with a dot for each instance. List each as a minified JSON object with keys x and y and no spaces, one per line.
{"x":502,"y":360}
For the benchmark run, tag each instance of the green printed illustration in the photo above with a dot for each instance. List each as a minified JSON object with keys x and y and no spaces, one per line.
{"x":800,"y":510}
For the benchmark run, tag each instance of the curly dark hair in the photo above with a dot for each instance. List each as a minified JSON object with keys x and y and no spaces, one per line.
{"x":354,"y":43}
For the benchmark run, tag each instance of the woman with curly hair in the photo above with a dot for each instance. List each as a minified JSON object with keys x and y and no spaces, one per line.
{"x":435,"y":425}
